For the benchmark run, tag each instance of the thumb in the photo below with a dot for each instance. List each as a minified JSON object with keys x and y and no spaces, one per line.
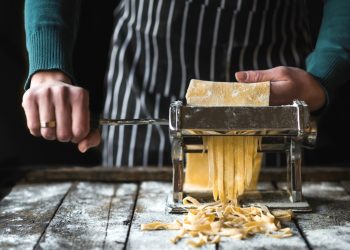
{"x":93,"y":139}
{"x":255,"y":75}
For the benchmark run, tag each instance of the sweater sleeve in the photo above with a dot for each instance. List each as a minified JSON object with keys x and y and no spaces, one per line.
{"x":51,"y":27}
{"x":330,"y":60}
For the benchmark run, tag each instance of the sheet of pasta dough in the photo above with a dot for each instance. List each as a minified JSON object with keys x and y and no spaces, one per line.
{"x":206,"y":93}
{"x":219,"y":170}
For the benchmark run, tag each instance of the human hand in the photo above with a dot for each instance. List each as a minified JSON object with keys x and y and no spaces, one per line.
{"x":51,"y":97}
{"x":288,"y":84}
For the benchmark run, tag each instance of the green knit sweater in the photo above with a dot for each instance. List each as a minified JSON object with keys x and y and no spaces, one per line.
{"x":51,"y":28}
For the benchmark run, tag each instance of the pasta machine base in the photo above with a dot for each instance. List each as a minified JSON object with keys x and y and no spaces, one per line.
{"x":273,"y":199}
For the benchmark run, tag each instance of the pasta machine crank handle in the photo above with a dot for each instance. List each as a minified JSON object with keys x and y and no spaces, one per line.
{"x":96,"y":122}
{"x":121,"y":122}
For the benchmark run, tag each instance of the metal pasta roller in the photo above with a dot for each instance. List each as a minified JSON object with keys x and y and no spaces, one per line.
{"x":284,"y":128}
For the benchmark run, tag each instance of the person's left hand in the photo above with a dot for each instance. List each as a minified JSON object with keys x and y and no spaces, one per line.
{"x":288,"y":84}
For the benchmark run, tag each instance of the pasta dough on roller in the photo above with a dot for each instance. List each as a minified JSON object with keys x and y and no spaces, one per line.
{"x":232,"y":163}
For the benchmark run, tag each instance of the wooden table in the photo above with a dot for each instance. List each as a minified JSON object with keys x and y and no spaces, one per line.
{"x":77,"y":209}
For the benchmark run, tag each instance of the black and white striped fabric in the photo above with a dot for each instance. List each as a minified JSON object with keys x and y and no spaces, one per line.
{"x":159,"y":45}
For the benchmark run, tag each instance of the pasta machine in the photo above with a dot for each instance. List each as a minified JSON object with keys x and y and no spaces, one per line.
{"x":284,"y":128}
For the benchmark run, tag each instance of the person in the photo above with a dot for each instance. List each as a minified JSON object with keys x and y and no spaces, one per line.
{"x":158,"y":46}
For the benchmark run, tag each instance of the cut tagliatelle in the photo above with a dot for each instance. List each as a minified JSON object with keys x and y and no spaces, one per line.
{"x":208,"y":223}
{"x":234,"y":165}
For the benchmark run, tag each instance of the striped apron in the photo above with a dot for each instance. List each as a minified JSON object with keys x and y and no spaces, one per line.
{"x":159,"y":45}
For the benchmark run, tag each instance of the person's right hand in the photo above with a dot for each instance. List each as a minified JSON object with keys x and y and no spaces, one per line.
{"x":51,"y":97}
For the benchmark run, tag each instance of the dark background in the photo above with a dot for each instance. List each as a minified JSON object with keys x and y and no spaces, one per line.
{"x":18,"y":147}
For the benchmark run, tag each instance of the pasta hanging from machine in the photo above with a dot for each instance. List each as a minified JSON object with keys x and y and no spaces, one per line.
{"x":234,"y":165}
{"x":233,"y":161}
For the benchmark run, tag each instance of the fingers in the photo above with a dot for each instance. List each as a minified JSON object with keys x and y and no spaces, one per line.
{"x":274,"y":74}
{"x":63,"y":116}
{"x":296,"y":84}
{"x":92,"y":140}
{"x":47,"y":114}
{"x":255,"y":76}
{"x":282,"y":92}
{"x":283,"y":89}
{"x":32,"y":114}
{"x":49,"y":100}
{"x":80,"y":115}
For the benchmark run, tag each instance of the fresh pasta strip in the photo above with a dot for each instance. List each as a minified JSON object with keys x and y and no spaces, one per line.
{"x":157,"y":225}
{"x":283,"y":215}
{"x":209,"y":223}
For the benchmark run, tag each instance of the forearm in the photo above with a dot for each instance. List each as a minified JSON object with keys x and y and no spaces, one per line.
{"x":51,"y":27}
{"x":330,"y":60}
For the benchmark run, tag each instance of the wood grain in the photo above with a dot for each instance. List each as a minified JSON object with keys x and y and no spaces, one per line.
{"x":98,"y":174}
{"x":150,"y":207}
{"x":346,"y":185}
{"x":263,"y":242}
{"x":103,"y":174}
{"x":26,"y":211}
{"x":328,"y":226}
{"x":87,"y":218}
{"x":98,"y":216}
{"x":120,"y":216}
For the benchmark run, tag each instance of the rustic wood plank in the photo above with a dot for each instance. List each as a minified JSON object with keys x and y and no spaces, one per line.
{"x":26,"y":211}
{"x":346,"y":185}
{"x":263,"y":242}
{"x":328,"y":226}
{"x":103,"y":174}
{"x":86,"y":214}
{"x":99,"y":174}
{"x":313,"y":174}
{"x":150,"y":206}
{"x":120,"y":216}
